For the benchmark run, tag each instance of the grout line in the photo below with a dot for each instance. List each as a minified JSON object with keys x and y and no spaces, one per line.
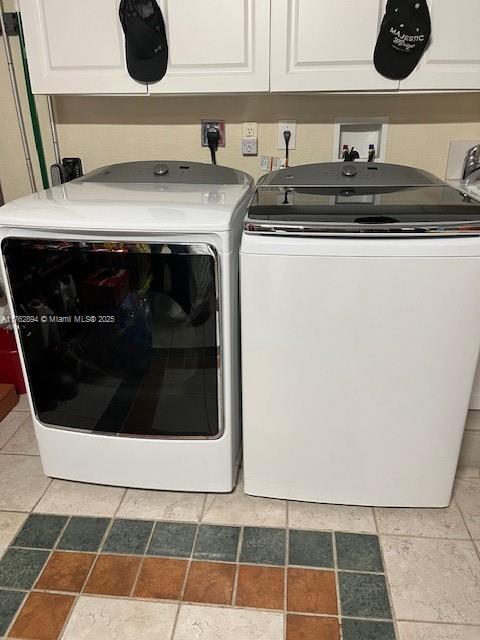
{"x":471,"y":538}
{"x":406,"y":535}
{"x":387,"y":578}
{"x":286,"y":569}
{"x":182,"y":592}
{"x":14,"y":434}
{"x":106,"y":533}
{"x":237,"y":565}
{"x":21,"y":455}
{"x":135,"y":582}
{"x":32,"y":510}
{"x":337,"y":583}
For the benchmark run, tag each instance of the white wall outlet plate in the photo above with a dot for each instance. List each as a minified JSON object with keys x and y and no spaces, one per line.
{"x":249,"y":146}
{"x":277,"y":164}
{"x":287,"y":125}
{"x":205,"y":124}
{"x":360,"y":133}
{"x":250,"y":130}
{"x":266,"y":163}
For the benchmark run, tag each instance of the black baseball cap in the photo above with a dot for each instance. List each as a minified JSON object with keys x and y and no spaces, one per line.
{"x":146,"y":45}
{"x":404,"y":36}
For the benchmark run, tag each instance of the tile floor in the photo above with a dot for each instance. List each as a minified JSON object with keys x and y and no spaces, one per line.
{"x":82,"y":562}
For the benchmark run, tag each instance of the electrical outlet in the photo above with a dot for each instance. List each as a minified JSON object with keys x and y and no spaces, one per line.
{"x":250,"y":130}
{"x":249,"y":146}
{"x":206,"y":124}
{"x":287,"y":125}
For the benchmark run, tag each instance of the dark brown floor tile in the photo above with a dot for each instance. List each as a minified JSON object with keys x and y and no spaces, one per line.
{"x":65,"y":572}
{"x":210,"y":582}
{"x":260,"y":587}
{"x":113,"y":575}
{"x":312,"y":628}
{"x":161,"y":578}
{"x":311,"y":591}
{"x":42,"y":617}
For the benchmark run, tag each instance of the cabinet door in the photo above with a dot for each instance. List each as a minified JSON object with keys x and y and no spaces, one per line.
{"x":216,"y":46}
{"x":452,"y":60}
{"x":326,"y":45}
{"x":76,"y":47}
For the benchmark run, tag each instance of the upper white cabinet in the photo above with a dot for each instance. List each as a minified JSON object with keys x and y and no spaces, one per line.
{"x":452,"y":60}
{"x":216,"y":46}
{"x":326,"y":45}
{"x":76,"y":47}
{"x":233,"y":46}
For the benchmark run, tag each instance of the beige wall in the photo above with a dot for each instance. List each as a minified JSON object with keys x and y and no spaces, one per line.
{"x":103,"y":130}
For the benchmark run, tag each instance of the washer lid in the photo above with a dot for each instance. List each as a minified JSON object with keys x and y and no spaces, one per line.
{"x":350,"y":174}
{"x":382,"y":210}
{"x":165,"y":172}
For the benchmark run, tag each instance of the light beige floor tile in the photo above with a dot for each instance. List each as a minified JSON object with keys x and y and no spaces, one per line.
{"x":9,"y":425}
{"x":162,"y":505}
{"x":467,"y":497}
{"x":214,"y":623}
{"x":238,"y":508}
{"x":10,"y":523}
{"x":428,"y":523}
{"x":22,"y":482}
{"x":433,"y":580}
{"x":422,"y":631}
{"x":76,"y":498}
{"x":118,"y":619}
{"x":22,"y":403}
{"x":24,"y":440}
{"x":468,"y":472}
{"x":307,"y":515}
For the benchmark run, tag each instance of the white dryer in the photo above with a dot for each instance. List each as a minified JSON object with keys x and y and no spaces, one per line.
{"x":360,"y":289}
{"x":124,"y":289}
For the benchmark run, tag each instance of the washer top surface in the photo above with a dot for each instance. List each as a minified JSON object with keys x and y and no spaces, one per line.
{"x":339,"y":174}
{"x":360,"y":198}
{"x":165,"y":173}
{"x":138,"y":197}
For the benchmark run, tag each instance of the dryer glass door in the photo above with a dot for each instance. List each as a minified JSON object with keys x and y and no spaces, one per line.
{"x":117,"y":337}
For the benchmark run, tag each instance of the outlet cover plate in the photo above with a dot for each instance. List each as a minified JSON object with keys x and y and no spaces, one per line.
{"x":205,"y":124}
{"x":249,"y":146}
{"x":250,"y":130}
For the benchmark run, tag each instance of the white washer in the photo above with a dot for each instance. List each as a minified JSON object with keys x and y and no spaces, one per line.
{"x":360,"y":289}
{"x":125,"y":288}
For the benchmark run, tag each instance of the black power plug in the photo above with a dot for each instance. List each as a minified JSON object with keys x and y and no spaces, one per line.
{"x":213,"y":139}
{"x":287,"y":135}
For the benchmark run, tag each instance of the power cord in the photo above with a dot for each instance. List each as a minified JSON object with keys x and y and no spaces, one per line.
{"x":287,"y":135}
{"x":213,"y":139}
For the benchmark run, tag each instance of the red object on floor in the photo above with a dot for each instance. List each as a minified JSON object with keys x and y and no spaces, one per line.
{"x":10,"y":367}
